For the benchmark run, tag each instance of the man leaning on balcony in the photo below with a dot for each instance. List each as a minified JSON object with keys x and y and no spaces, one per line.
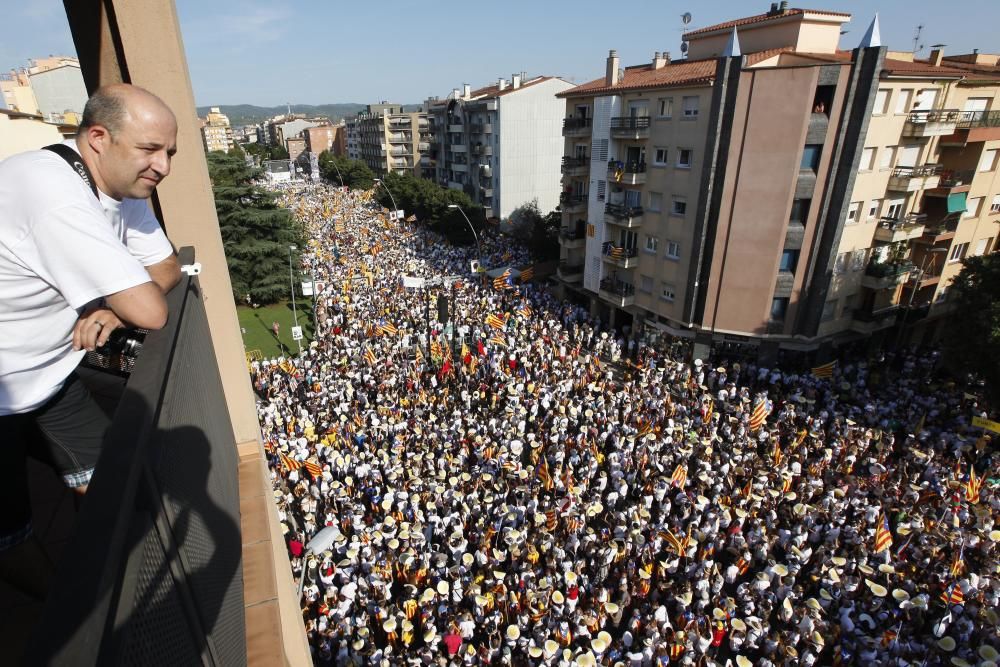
{"x":81,"y":255}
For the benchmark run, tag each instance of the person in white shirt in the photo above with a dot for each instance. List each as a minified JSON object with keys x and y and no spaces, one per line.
{"x":81,"y":255}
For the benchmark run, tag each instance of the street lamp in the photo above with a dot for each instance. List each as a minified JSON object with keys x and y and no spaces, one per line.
{"x":479,"y":249}
{"x":323,"y":540}
{"x":339,"y":175}
{"x":928,"y":255}
{"x":291,"y":285}
{"x":391,"y":198}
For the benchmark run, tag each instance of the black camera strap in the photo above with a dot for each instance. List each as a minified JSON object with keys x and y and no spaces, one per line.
{"x":74,"y":160}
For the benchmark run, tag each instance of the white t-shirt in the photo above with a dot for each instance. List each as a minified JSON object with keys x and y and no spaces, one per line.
{"x":59,"y":250}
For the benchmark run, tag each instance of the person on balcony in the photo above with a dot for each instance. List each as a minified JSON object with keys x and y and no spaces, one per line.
{"x":81,"y":255}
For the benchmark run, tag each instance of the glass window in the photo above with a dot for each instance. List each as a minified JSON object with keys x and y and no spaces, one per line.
{"x":972,"y":207}
{"x":867,"y":159}
{"x":678,"y":206}
{"x":989,"y":160}
{"x":651,"y":242}
{"x":673,"y":250}
{"x":873,"y":209}
{"x":881,"y":102}
{"x":983,"y":246}
{"x":684,"y":157}
{"x":666,"y":107}
{"x":894,"y":208}
{"x":800,"y":210}
{"x":779,"y":306}
{"x":903,"y":100}
{"x":995,"y":205}
{"x":852,"y":212}
{"x":789,"y":260}
{"x":645,"y":284}
{"x":888,"y":153}
{"x":668,"y":293}
{"x":690,"y":105}
{"x":660,"y":157}
{"x":810,"y":156}
{"x":958,"y":252}
{"x":655,"y":201}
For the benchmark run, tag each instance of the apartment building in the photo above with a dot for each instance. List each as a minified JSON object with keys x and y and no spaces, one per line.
{"x":331,"y":138}
{"x":58,"y":88}
{"x":387,"y":138}
{"x":500,"y":144}
{"x":734,"y":196}
{"x":216,"y":134}
{"x":16,"y":93}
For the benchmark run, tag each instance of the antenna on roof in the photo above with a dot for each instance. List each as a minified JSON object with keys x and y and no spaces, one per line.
{"x":686,"y":18}
{"x":685,"y":21}
{"x":916,"y":39}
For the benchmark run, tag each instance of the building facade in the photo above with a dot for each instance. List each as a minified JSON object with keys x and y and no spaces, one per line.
{"x":388,"y":139}
{"x":500,"y":144}
{"x":740,"y":196}
{"x":331,"y":138}
{"x":59,"y":89}
{"x":216,"y":134}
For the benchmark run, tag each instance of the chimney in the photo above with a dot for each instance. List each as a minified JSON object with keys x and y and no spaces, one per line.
{"x":783,"y":7}
{"x":466,"y":91}
{"x":658,"y":60}
{"x":666,"y":57}
{"x":456,"y":93}
{"x":501,"y":84}
{"x":516,"y":78}
{"x":936,"y":56}
{"x":774,"y":9}
{"x":611,"y":77}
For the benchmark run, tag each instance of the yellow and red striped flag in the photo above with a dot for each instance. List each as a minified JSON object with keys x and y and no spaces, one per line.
{"x":883,"y":538}
{"x":495,"y":321}
{"x":551,"y":520}
{"x":527,"y":274}
{"x":679,"y":478}
{"x":973,"y":486}
{"x":313,"y":468}
{"x":759,"y":415}
{"x":672,"y":541}
{"x":389,"y":329}
{"x":500,"y":282}
{"x":497,"y":339}
{"x":958,"y":565}
{"x":825,"y":371}
{"x":953,"y":594}
{"x":370,"y":356}
{"x":543,"y":474}
{"x":289,"y":463}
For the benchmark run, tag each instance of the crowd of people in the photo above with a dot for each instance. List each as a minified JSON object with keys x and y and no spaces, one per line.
{"x":519,"y":485}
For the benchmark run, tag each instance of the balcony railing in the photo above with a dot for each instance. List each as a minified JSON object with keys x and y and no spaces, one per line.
{"x":618,"y":252}
{"x":973,"y":119}
{"x":570,"y":200}
{"x":623,"y":211}
{"x":573,"y":234}
{"x":905,"y":228}
{"x":575,"y":162}
{"x":931,"y":122}
{"x":575,"y":125}
{"x":617,"y":287}
{"x":629,"y":123}
{"x":934,"y":116}
{"x":953,"y":179}
{"x":916,"y":172}
{"x":632,"y":167}
{"x":154,"y":567}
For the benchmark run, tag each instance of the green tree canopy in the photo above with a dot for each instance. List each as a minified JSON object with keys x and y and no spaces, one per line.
{"x":972,"y":337}
{"x":430,"y":202}
{"x":355,"y":173}
{"x":539,"y":232}
{"x":256,"y":233}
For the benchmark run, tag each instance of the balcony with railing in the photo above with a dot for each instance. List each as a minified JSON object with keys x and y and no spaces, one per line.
{"x":482,"y":149}
{"x":627,"y":173}
{"x":942,"y":230}
{"x":456,"y":127}
{"x":486,"y":171}
{"x":155,"y":567}
{"x":575,"y":127}
{"x":630,"y":127}
{"x":931,"y":123}
{"x":480,"y":128}
{"x":575,"y":165}
{"x":623,"y":258}
{"x":951,"y":181}
{"x":573,"y":238}
{"x":973,"y":127}
{"x":905,"y":228}
{"x":573,"y":202}
{"x":875,"y":316}
{"x":623,"y":215}
{"x":884,"y":275}
{"x":617,"y":292}
{"x":912,"y":179}
{"x":570,"y":272}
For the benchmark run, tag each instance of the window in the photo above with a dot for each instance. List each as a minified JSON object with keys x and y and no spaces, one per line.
{"x":666,"y":107}
{"x":690,"y":106}
{"x":678,"y":206}
{"x":858,"y":258}
{"x":995,"y":205}
{"x":673,"y":250}
{"x":655,"y":202}
{"x":779,"y":307}
{"x":810,"y":156}
{"x":867,"y":159}
{"x":651,"y":242}
{"x":988,"y":163}
{"x":888,"y":153}
{"x":881,"y":102}
{"x":873,"y":209}
{"x":840,"y":266}
{"x":983,"y":246}
{"x":958,"y":252}
{"x":800,"y":210}
{"x":668,"y":293}
{"x":903,"y":101}
{"x":789,"y":260}
{"x":633,"y":198}
{"x":972,"y":207}
{"x":660,"y":157}
{"x":894,"y":208}
{"x":829,"y":310}
{"x":684,"y":156}
{"x":852,"y":212}
{"x":925,"y":99}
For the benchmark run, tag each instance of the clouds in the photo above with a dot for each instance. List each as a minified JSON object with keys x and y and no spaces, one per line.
{"x":235,"y":29}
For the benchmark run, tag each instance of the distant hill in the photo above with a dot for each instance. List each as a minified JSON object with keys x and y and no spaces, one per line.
{"x":248,"y":114}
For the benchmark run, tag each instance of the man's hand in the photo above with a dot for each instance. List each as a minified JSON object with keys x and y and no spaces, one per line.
{"x":94,"y":328}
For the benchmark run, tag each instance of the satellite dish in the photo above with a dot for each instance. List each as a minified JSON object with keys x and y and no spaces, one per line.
{"x":684,"y":47}
{"x":686,"y":18}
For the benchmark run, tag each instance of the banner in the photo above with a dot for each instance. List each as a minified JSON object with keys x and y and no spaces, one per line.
{"x":979,"y":422}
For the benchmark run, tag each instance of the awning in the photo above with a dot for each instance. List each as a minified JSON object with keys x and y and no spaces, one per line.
{"x":956,"y":202}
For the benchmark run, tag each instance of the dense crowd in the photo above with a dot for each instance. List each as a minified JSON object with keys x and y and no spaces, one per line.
{"x":522,"y":486}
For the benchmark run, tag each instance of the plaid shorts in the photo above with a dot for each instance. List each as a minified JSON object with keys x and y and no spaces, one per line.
{"x":66,"y":433}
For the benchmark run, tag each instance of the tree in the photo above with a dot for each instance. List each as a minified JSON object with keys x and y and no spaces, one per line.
{"x":355,"y":173}
{"x":539,"y":232}
{"x":430,"y":203}
{"x":972,"y":334}
{"x":256,"y":233}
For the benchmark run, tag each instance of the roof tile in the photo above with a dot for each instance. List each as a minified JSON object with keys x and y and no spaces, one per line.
{"x":759,"y":18}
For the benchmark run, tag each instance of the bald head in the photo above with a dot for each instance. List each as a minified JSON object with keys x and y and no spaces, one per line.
{"x":115,"y":105}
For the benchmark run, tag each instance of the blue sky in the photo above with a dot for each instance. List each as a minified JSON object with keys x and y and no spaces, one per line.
{"x":315,"y":52}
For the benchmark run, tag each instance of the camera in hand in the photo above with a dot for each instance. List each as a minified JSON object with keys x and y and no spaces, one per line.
{"x":119,"y":353}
